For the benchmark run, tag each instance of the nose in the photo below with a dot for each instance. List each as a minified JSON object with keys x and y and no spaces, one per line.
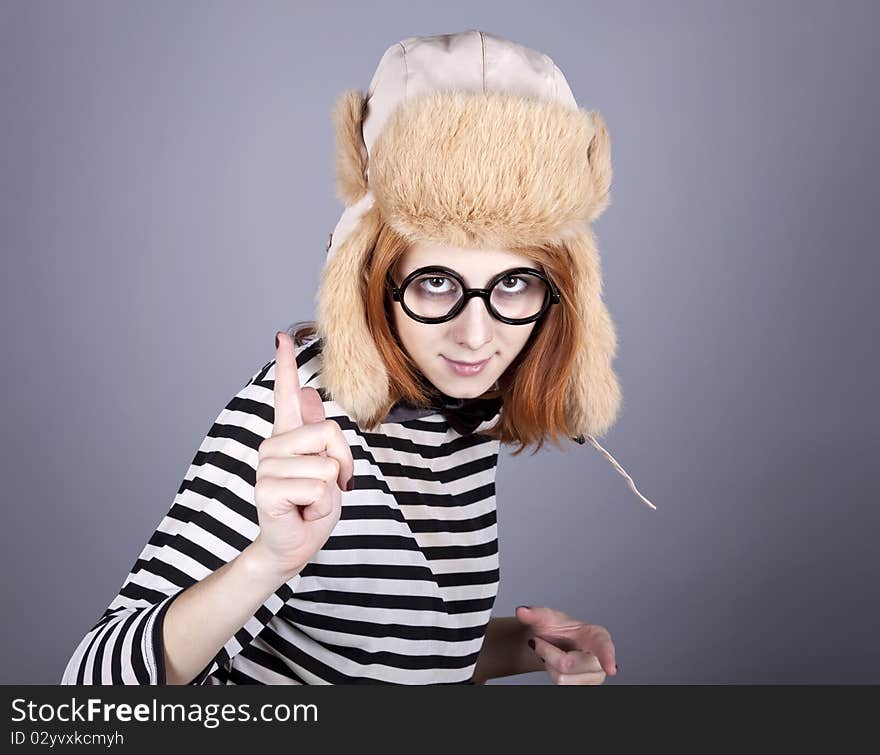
{"x":474,"y":324}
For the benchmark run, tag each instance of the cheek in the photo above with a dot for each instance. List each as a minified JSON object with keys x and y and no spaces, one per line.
{"x":520,"y":342}
{"x":406,"y":329}
{"x":522,"y":335}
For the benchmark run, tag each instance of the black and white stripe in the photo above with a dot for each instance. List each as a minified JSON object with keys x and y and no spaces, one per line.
{"x":401,"y":593}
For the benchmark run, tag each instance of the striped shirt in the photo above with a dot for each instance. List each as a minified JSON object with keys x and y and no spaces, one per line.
{"x":401,"y":592}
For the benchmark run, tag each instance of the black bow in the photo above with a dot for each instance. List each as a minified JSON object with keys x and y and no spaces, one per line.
{"x":463,"y":414}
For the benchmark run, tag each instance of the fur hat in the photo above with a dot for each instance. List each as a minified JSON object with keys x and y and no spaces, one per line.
{"x":472,"y":140}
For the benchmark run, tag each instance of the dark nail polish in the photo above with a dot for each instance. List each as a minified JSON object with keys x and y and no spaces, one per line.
{"x":350,"y":484}
{"x":532,"y":644}
{"x":276,"y":340}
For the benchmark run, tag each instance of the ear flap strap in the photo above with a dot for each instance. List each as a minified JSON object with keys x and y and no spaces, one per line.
{"x":580,"y":439}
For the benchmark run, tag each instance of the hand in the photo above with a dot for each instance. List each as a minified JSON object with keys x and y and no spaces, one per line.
{"x":303,"y":467}
{"x":573,"y":652}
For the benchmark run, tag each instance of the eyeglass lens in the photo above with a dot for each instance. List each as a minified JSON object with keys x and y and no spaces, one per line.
{"x":515,"y":296}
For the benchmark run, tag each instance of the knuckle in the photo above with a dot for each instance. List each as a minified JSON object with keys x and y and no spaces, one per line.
{"x":260,"y":493}
{"x":319,"y":508}
{"x":263,"y":468}
{"x":332,"y":467}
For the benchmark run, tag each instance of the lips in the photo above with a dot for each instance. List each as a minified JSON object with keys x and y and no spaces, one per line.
{"x":469,"y":364}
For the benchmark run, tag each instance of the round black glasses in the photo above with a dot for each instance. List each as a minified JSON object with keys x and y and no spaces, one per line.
{"x":436,"y":294}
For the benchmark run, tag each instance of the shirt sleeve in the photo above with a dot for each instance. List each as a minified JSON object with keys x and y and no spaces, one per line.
{"x":212,"y":520}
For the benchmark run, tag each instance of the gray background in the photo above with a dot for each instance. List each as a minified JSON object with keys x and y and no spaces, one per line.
{"x":167,"y":193}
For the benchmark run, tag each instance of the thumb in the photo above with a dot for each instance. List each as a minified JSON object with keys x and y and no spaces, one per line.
{"x":311,"y":405}
{"x":312,"y":408}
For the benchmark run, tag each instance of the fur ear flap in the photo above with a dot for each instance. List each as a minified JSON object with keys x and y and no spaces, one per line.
{"x":353,"y":372}
{"x":599,"y":156}
{"x":351,"y":152}
{"x":594,"y":395}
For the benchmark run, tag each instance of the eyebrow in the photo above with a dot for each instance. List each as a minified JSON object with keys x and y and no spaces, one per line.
{"x":438,"y":264}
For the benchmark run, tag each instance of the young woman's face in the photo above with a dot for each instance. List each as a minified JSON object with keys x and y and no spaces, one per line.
{"x":474,"y":334}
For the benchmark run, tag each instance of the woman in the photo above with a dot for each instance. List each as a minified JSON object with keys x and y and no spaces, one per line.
{"x":338,"y":522}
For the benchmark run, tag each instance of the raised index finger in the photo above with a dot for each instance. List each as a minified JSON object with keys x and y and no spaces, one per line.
{"x":288,"y":412}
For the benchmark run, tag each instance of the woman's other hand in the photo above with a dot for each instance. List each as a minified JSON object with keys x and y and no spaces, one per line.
{"x":572,"y":651}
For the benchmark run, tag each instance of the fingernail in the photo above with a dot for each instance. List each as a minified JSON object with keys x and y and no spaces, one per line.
{"x":350,"y":484}
{"x":532,"y":644}
{"x":276,"y":340}
{"x":529,"y":607}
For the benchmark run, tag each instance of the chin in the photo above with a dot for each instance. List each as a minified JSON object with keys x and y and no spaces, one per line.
{"x":459,"y":386}
{"x":465,"y":387}
{"x":465,"y":393}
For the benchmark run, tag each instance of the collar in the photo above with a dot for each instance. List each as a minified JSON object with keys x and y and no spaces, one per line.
{"x":463,"y":414}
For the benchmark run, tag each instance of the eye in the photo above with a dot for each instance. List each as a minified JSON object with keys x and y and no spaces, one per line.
{"x":433,"y":284}
{"x":509,"y":285}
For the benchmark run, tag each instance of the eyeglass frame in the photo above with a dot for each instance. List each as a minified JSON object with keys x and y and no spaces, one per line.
{"x":484,"y":293}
